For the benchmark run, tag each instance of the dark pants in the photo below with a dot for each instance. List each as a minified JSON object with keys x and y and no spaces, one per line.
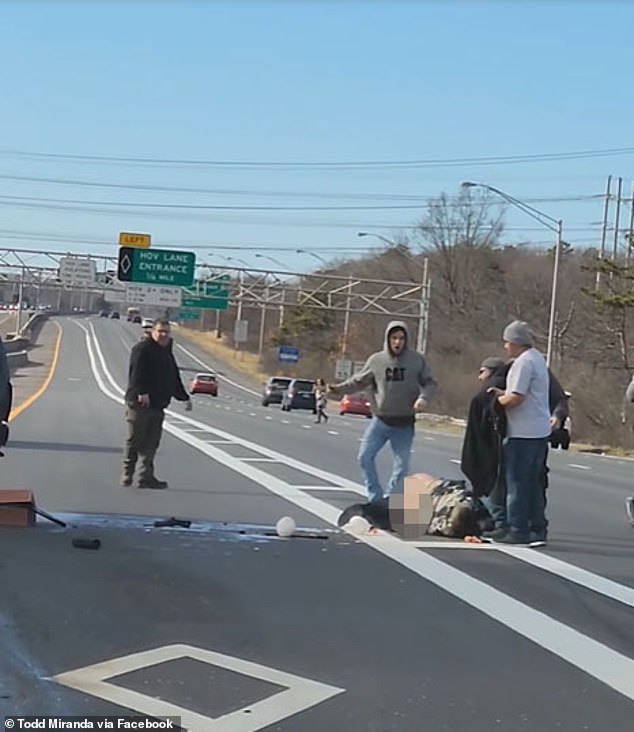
{"x":143,"y":437}
{"x":525,"y":460}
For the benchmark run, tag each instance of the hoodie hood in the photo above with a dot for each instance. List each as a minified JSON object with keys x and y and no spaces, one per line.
{"x":390,"y":327}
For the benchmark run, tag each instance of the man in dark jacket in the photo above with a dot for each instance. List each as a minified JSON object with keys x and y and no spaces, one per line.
{"x":486,"y":428}
{"x":482,"y":455}
{"x":153,"y":380}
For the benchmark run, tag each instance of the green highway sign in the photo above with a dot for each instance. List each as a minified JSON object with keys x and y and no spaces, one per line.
{"x":206,"y":303}
{"x":188,"y":315}
{"x":156,"y":266}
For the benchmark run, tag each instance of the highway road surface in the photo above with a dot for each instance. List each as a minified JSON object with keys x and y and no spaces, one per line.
{"x":232,"y":629}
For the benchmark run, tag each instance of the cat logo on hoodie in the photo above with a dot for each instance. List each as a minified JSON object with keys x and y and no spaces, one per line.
{"x":397,"y":373}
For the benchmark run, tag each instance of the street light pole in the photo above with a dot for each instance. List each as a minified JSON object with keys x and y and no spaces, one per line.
{"x":551,"y":223}
{"x":312,"y":254}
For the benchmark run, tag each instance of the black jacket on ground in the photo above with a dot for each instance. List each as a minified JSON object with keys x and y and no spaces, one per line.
{"x":153,"y":370}
{"x":486,"y":428}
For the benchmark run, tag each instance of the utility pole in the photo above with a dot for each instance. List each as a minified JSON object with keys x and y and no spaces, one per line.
{"x":617,"y":221}
{"x":346,"y":319}
{"x":423,"y":313}
{"x":604,"y":228}
{"x":262,"y":323}
{"x":630,"y":230}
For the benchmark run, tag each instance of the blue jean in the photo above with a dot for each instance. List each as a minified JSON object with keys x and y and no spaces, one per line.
{"x":375,"y":437}
{"x":525,"y":499}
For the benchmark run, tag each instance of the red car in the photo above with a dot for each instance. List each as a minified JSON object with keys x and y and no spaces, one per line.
{"x":355,"y":404}
{"x":204,"y":384}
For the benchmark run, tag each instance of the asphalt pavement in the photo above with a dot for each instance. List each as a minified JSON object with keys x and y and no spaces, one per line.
{"x":234,"y":629}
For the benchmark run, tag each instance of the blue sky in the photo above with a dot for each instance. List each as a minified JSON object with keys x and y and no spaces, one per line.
{"x":301,"y":82}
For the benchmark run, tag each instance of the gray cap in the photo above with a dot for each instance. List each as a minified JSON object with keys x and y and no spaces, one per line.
{"x":493,"y":363}
{"x":519,"y":333}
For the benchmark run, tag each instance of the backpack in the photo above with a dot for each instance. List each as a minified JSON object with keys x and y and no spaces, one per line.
{"x":457,"y":511}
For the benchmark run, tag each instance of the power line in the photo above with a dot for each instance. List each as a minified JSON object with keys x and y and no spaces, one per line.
{"x":321,"y":165}
{"x":291,"y":194}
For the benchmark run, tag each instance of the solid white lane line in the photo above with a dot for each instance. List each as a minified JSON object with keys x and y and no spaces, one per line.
{"x":579,"y":467}
{"x":207,"y":367}
{"x":570,"y":572}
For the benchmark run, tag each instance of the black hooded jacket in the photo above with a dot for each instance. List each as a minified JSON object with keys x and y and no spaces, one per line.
{"x":486,"y":428}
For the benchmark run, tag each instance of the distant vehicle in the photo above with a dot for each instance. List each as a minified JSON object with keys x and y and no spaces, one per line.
{"x":136,"y":319}
{"x":114,"y":315}
{"x":274,"y":390}
{"x":299,"y":395}
{"x":204,"y":383}
{"x":355,"y":404}
{"x":103,"y":313}
{"x":132,"y":313}
{"x":147,"y":322}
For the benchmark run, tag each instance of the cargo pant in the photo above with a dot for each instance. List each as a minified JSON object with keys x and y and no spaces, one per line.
{"x":145,"y":426}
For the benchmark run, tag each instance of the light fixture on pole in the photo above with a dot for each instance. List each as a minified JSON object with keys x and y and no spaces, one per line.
{"x":549,"y":222}
{"x":312,"y":254}
{"x":384,"y":239}
{"x":276,"y":262}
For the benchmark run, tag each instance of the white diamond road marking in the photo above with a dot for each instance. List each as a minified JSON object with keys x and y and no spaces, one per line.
{"x":299,"y":693}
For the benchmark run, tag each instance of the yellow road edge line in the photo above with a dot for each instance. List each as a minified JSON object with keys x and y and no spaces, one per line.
{"x":49,"y":377}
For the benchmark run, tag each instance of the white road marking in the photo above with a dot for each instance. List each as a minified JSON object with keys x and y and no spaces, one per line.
{"x":72,"y":378}
{"x":429,"y":439}
{"x":285,"y":421}
{"x":579,"y":467}
{"x":257,"y":459}
{"x":599,"y":661}
{"x":333,"y":432}
{"x":454,"y":460}
{"x":209,"y":368}
{"x":306,"y":427}
{"x":570,"y":572}
{"x":268,"y":417}
{"x":333,"y":488}
{"x":450,"y":545}
{"x":299,"y":693}
{"x":252,"y":414}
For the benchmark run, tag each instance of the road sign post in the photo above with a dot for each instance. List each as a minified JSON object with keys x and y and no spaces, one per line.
{"x":287,"y":354}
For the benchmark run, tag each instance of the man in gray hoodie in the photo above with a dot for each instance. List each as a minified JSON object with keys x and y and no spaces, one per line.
{"x":400,"y":383}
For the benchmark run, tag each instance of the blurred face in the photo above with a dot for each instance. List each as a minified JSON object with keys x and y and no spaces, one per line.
{"x":513,"y":350}
{"x":484,"y":374}
{"x":397,"y":341}
{"x":161,"y":334}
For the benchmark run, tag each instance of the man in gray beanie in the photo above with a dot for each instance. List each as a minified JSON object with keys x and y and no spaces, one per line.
{"x":526,"y":404}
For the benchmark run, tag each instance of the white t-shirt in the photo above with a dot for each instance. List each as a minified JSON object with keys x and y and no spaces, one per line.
{"x":529,"y":376}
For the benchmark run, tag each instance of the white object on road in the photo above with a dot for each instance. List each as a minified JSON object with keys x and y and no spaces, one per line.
{"x":285,"y":527}
{"x":358,"y":526}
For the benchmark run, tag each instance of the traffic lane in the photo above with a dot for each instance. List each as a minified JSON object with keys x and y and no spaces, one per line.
{"x":586,"y":527}
{"x":293,"y":432}
{"x":67,"y":448}
{"x":406,"y":656}
{"x":604,"y":617}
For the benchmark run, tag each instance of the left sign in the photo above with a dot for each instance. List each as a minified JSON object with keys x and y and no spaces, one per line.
{"x":127,"y":239}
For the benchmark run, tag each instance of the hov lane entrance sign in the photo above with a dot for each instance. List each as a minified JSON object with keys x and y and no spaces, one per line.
{"x":156,"y":266}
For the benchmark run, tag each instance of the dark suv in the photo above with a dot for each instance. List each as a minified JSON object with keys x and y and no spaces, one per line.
{"x":299,"y":395}
{"x":274,"y":390}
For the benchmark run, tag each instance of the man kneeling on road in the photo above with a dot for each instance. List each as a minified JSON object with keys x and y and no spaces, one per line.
{"x":400,"y":383}
{"x":153,"y":380}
